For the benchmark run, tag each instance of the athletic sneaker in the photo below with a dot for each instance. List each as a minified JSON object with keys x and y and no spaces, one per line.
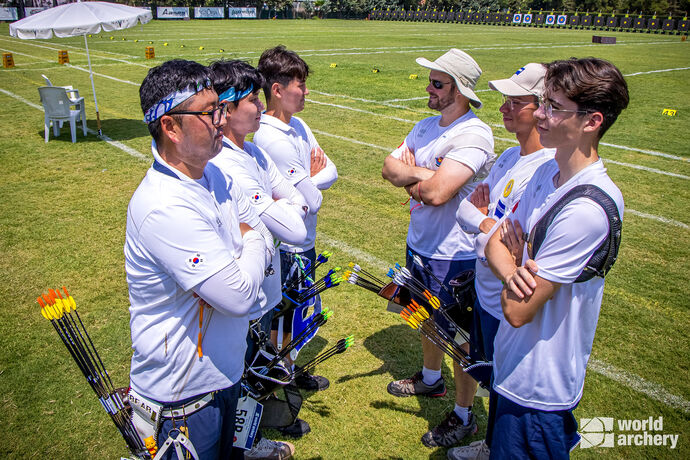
{"x":415,"y":385}
{"x":310,"y":382}
{"x":478,"y":450}
{"x":450,"y":431}
{"x":265,"y":449}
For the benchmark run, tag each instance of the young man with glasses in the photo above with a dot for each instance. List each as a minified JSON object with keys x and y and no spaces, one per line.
{"x":439,"y":163}
{"x":496,"y":197}
{"x":292,"y":146}
{"x":279,"y":205}
{"x":550,"y":310}
{"x":189,"y":235}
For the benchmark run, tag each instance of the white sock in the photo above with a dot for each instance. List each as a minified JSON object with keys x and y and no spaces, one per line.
{"x":464,"y":413}
{"x":430,"y":376}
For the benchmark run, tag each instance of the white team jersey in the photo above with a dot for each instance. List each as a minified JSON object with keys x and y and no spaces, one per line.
{"x":178,"y":235}
{"x":254,"y":172}
{"x":434,"y":231}
{"x":290,"y":146}
{"x":542,"y":364}
{"x":507,"y":180}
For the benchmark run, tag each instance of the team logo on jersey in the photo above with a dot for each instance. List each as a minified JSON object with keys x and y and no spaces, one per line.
{"x":438,"y":161}
{"x":256,"y":197}
{"x":509,"y":188}
{"x":291,"y":172}
{"x":196,"y":260}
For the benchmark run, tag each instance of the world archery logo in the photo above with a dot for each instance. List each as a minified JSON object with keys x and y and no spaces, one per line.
{"x":438,"y":161}
{"x":196,"y":260}
{"x":291,"y":172}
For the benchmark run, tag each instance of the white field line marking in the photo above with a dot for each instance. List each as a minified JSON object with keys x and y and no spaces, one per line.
{"x":655,"y":71}
{"x":479,"y":48}
{"x":81,"y":51}
{"x":371,"y":101}
{"x":644,"y":215}
{"x":116,"y":144}
{"x":404,"y":120}
{"x":496,"y":125}
{"x":664,"y":220}
{"x":625,"y":378}
{"x":637,"y":383}
{"x":103,"y":75}
{"x":645,"y":168}
{"x":23,"y":54}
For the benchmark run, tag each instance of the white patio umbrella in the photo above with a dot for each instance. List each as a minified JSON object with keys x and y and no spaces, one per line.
{"x":80,"y":18}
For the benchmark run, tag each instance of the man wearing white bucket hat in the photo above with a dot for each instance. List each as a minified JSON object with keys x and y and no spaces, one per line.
{"x":439,"y":163}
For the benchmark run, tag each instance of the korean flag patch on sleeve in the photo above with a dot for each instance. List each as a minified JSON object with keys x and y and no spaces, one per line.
{"x":195,"y":260}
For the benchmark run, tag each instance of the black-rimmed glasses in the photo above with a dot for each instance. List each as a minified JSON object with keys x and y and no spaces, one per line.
{"x":216,"y":114}
{"x":438,"y":84}
{"x":549,"y":110}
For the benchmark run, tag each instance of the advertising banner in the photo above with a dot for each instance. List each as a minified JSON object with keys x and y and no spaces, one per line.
{"x":209,"y":12}
{"x":242,"y":13}
{"x":31,"y":10}
{"x":172,"y":12}
{"x":8,"y":14}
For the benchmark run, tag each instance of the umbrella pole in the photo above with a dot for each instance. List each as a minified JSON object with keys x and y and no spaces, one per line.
{"x":93,"y":87}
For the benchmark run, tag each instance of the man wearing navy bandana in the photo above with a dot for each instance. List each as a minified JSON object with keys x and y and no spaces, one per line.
{"x":190,"y":235}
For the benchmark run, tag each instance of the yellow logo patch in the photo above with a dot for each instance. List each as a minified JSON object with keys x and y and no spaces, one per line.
{"x":508,"y":189}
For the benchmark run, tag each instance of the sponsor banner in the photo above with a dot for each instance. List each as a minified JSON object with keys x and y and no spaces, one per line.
{"x":561,"y":20}
{"x":242,"y":13}
{"x":31,"y":10}
{"x":172,"y":12}
{"x":550,"y":20}
{"x":8,"y":14}
{"x":527,"y":19}
{"x":209,"y":12}
{"x":517,"y":18}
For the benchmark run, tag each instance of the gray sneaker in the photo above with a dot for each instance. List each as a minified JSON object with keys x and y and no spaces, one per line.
{"x":265,"y":449}
{"x":478,"y":450}
{"x":450,"y":431}
{"x":415,"y":385}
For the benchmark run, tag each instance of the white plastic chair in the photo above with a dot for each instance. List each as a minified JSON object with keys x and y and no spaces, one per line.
{"x":57,"y":109}
{"x":72,"y":93}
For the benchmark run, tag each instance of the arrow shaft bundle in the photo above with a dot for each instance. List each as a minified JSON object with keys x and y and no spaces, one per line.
{"x":62,"y":314}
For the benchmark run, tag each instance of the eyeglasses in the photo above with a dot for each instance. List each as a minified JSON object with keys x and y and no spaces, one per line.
{"x":513,"y":103}
{"x":549,"y":110}
{"x":216,"y":114}
{"x":439,"y":84}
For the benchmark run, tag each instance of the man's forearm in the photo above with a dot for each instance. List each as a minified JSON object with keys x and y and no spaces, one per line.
{"x":400,"y":174}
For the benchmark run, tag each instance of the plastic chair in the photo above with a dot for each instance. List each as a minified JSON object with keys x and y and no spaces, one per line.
{"x":57,"y":109}
{"x":72,"y":93}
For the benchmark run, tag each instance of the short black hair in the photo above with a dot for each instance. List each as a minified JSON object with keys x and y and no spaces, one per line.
{"x":278,"y":64}
{"x":235,"y":73}
{"x":162,"y":80}
{"x":594,"y":84}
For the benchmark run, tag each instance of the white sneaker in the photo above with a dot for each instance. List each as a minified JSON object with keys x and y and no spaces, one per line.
{"x":478,"y":450}
{"x":266,"y":449}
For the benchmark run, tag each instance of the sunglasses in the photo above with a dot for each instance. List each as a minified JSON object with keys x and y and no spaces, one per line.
{"x":439,"y":84}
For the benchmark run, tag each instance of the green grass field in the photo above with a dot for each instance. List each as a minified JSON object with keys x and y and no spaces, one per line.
{"x":63,"y":206}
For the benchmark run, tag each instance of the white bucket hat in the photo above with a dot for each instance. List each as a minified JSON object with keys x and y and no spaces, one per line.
{"x":526,"y":81}
{"x":464,"y":70}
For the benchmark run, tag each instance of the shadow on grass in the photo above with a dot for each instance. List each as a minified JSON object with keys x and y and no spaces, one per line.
{"x":400,"y":349}
{"x":118,"y":129}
